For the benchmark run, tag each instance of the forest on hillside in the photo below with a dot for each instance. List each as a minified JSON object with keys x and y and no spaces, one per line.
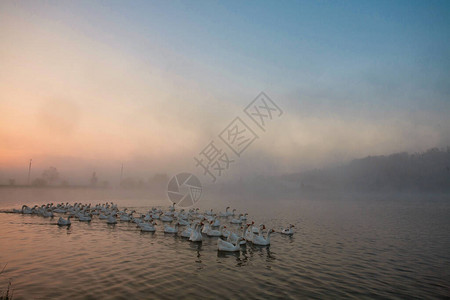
{"x":427,"y":171}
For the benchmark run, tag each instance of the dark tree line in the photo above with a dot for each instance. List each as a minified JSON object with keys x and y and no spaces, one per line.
{"x":427,"y":171}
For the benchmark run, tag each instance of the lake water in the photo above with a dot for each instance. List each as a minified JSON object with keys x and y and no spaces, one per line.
{"x":344,"y":247}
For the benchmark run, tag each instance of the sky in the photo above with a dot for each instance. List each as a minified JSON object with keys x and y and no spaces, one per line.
{"x":88,"y":85}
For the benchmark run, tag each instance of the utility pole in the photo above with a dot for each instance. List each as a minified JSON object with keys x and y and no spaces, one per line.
{"x":29,"y":172}
{"x":121,"y":174}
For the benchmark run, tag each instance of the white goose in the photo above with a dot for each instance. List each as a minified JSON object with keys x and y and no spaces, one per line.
{"x":215,"y":223}
{"x":127,"y":217}
{"x":206,"y":228}
{"x":26,"y":210}
{"x":226,"y":213}
{"x":237,"y":221}
{"x":147,"y":217}
{"x":85,"y":218}
{"x":103,"y":216}
{"x":169,"y":213}
{"x":256,"y":230}
{"x":47,"y":214}
{"x":232,"y":213}
{"x":183,"y":215}
{"x":168,"y":229}
{"x":147,"y":227}
{"x":138,"y":220}
{"x":59,"y":210}
{"x":213,"y":232}
{"x":210,"y":218}
{"x":233,"y":237}
{"x":188,"y":231}
{"x":225,"y":232}
{"x":111,"y":219}
{"x":165,"y":218}
{"x":183,"y":222}
{"x":196,"y":235}
{"x":260,"y":240}
{"x":288,"y":231}
{"x":244,"y":231}
{"x":249,"y":233}
{"x":227,"y":246}
{"x":64,"y":222}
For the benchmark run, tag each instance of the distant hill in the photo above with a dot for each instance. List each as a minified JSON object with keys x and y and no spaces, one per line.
{"x":427,"y":171}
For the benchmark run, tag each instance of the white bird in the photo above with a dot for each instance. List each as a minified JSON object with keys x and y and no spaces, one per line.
{"x":126,"y":217}
{"x":215,"y":223}
{"x":288,"y":231}
{"x":210,"y":218}
{"x":206,"y":228}
{"x":47,"y":214}
{"x":196,"y":235}
{"x":183,"y":222}
{"x":249,"y":233}
{"x":169,"y":213}
{"x":233,"y":237}
{"x":225,"y":232}
{"x":227,"y":246}
{"x":237,"y":221}
{"x":213,"y":232}
{"x":165,"y":218}
{"x":26,"y":210}
{"x":243,"y":242}
{"x":64,"y":222}
{"x":226,"y":213}
{"x":260,"y":240}
{"x":85,"y":218}
{"x":183,"y":215}
{"x":256,"y":230}
{"x":111,"y":219}
{"x":147,"y":227}
{"x":138,"y":220}
{"x":168,"y":229}
{"x":188,"y":231}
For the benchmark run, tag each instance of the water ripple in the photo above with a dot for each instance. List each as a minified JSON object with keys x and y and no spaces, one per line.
{"x":338,"y":257}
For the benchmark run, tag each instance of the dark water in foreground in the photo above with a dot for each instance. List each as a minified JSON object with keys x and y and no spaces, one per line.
{"x":345,"y":248}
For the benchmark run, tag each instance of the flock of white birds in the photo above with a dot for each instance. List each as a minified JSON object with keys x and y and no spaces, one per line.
{"x":190,"y":224}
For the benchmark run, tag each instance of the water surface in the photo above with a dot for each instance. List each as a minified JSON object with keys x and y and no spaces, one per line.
{"x":359,"y":247}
